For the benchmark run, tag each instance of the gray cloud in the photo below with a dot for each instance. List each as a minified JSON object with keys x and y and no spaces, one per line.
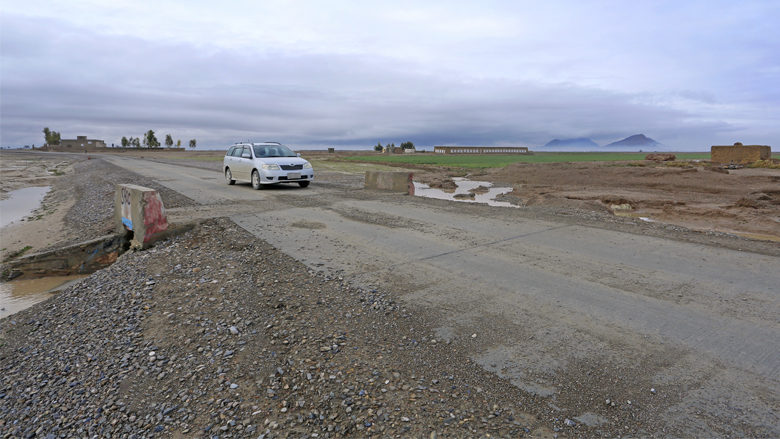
{"x":79,"y":81}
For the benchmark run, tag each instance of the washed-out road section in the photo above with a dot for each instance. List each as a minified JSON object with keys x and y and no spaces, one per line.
{"x":543,"y":303}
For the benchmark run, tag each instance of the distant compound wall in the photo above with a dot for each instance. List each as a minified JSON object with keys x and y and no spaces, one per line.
{"x":480,"y":150}
{"x":739,"y":153}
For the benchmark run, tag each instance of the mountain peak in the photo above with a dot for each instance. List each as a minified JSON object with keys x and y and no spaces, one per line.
{"x":580,"y":141}
{"x":635,"y":140}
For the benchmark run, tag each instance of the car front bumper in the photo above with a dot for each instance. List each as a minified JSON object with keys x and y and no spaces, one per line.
{"x":269,"y":177}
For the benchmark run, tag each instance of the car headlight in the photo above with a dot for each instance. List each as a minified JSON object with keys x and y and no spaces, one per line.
{"x":271,"y":167}
{"x":307,"y":165}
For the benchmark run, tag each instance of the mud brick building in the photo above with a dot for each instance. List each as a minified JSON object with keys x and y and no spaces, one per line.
{"x":81,"y":143}
{"x":739,"y":153}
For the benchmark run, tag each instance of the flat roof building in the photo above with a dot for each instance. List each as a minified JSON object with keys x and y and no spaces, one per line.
{"x":81,"y":142}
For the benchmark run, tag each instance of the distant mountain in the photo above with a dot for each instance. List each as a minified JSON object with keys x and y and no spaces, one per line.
{"x":579,"y":144}
{"x":636,"y":142}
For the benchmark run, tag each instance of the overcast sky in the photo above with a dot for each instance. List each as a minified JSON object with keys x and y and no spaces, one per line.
{"x":312,"y":74}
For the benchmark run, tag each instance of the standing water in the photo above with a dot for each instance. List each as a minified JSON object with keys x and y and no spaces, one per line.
{"x":463,"y":190}
{"x":21,"y":203}
{"x":17,"y":295}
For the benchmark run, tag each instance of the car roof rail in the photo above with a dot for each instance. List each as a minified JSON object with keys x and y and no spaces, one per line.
{"x":273,"y":142}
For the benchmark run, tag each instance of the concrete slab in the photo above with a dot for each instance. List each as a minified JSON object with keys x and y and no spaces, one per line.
{"x":396,"y":181}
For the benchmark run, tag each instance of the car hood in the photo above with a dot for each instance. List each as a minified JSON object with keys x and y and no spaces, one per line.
{"x":282,"y":160}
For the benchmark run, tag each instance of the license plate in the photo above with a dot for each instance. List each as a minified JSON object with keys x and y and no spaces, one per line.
{"x":293,"y":175}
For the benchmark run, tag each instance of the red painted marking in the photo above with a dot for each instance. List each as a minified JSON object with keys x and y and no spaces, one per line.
{"x":155,"y":219}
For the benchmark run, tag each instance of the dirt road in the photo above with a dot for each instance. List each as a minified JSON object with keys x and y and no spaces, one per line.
{"x":573,"y":313}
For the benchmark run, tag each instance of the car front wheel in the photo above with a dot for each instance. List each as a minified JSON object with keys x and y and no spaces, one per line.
{"x":229,"y":177}
{"x":256,"y":180}
{"x":303,"y":183}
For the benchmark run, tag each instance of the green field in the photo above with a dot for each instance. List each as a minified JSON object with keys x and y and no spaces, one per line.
{"x":499,"y":161}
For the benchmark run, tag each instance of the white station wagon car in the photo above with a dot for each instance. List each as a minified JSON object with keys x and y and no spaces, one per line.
{"x":265,"y":163}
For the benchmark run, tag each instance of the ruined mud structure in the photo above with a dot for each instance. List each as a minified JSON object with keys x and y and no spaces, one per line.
{"x":739,"y":153}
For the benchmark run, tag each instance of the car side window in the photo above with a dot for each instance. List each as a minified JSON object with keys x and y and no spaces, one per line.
{"x":231,"y":151}
{"x":238,"y":151}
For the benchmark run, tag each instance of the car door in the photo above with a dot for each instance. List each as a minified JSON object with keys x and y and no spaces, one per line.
{"x":228,"y":161}
{"x":244,"y":165}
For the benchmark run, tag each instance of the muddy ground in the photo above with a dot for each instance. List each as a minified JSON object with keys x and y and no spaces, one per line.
{"x":744,"y":201}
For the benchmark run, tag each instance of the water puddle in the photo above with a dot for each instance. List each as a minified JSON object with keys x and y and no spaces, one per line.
{"x":17,"y":295}
{"x":486,"y":194}
{"x":20,"y":203}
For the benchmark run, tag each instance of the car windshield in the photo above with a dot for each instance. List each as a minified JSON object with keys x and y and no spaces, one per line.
{"x":273,"y":151}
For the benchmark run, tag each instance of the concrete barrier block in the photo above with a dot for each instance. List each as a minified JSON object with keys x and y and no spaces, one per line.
{"x":140,"y":210}
{"x":396,"y":181}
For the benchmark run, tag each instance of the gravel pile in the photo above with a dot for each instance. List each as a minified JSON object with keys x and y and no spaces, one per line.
{"x":217,"y":334}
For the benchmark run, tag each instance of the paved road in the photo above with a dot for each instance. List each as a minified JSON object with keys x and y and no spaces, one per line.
{"x":542,"y":297}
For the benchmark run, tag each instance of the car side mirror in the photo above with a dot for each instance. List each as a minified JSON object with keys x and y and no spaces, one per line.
{"x":246,"y":155}
{"x":298,"y":154}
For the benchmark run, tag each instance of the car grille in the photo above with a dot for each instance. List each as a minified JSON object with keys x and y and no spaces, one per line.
{"x":291,"y":167}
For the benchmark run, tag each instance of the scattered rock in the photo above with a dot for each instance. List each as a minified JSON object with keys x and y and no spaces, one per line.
{"x":463,"y":196}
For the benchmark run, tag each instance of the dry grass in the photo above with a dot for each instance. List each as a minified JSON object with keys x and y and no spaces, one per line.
{"x":770,"y":164}
{"x":677,"y":164}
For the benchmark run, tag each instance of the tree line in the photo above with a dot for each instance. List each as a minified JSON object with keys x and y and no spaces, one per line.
{"x":149,"y":140}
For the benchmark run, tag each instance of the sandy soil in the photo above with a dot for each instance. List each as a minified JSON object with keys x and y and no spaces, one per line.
{"x":19,"y":170}
{"x":45,"y":224}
